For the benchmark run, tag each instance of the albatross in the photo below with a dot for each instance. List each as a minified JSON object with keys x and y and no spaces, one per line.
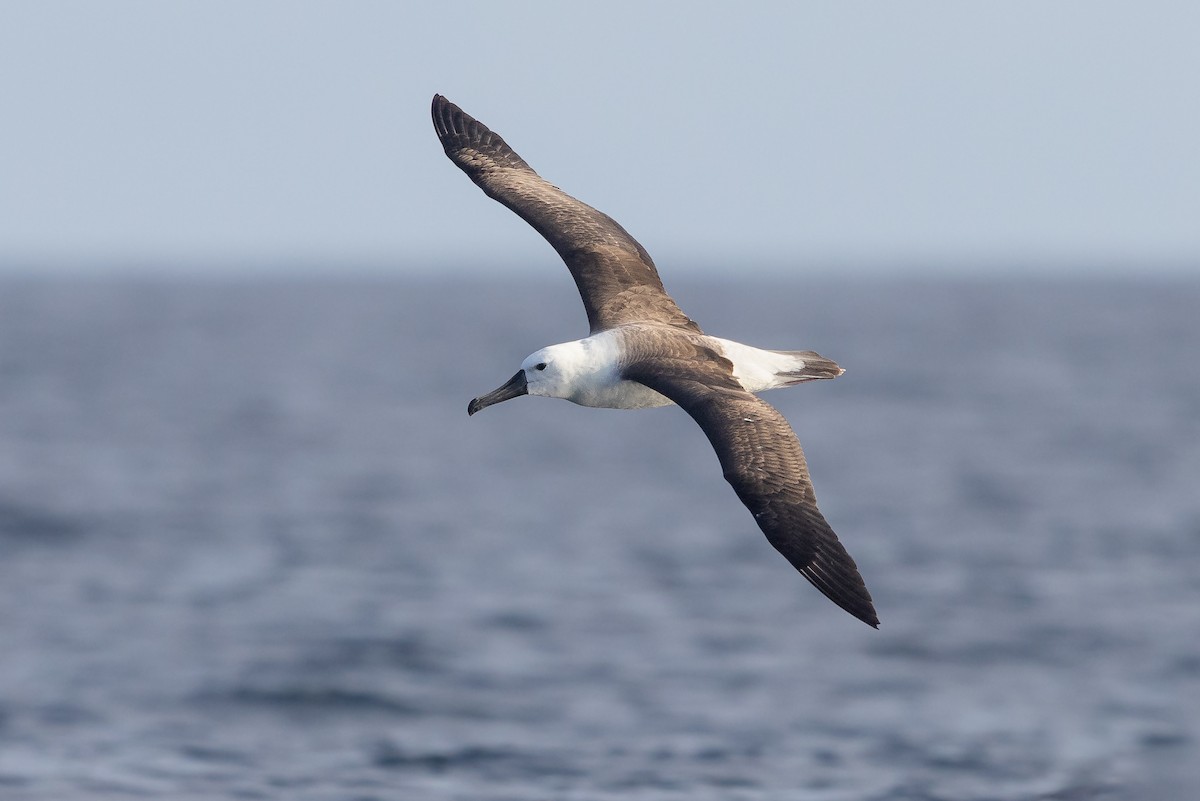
{"x":642,"y":351}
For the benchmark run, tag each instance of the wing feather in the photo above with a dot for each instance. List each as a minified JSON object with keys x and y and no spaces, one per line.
{"x":762,"y":459}
{"x":615,"y":275}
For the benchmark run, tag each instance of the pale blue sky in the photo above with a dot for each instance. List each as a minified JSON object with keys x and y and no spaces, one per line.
{"x":806,"y":135}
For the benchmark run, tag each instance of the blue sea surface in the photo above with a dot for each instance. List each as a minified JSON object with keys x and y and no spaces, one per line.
{"x":252,"y":547}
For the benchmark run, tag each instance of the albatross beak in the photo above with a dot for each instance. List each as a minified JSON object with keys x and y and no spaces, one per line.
{"x":515,"y":387}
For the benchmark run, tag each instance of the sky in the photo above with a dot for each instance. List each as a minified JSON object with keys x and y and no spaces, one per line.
{"x":836,"y":135}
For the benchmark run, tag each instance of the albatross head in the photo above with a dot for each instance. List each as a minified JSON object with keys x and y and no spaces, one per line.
{"x":549,"y":372}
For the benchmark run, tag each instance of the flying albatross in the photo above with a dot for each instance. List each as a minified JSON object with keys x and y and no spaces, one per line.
{"x":643,"y":351}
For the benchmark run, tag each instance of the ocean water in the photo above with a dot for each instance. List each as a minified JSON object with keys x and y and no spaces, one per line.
{"x":252,"y":547}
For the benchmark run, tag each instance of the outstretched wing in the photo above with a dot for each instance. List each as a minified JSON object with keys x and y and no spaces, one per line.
{"x":615,"y":275}
{"x":762,"y":459}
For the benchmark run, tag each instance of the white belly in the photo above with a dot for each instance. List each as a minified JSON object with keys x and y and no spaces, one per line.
{"x":621,"y":394}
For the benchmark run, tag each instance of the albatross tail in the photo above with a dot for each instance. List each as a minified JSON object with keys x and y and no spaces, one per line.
{"x":808,"y":366}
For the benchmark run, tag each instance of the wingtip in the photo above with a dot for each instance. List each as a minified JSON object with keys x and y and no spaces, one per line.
{"x":865,"y":613}
{"x":833,"y":571}
{"x":459,"y":131}
{"x":442,"y":111}
{"x":450,"y":120}
{"x":864,"y":610}
{"x":856,"y":600}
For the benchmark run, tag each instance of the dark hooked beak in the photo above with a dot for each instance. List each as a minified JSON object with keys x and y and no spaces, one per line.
{"x":516,"y":386}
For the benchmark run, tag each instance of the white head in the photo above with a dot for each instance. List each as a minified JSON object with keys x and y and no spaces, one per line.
{"x":551,"y":372}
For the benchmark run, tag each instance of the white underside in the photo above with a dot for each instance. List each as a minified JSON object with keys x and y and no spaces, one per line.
{"x":597,"y":381}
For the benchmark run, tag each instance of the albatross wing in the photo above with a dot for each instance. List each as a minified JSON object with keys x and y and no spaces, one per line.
{"x":761,"y":457}
{"x":615,"y":275}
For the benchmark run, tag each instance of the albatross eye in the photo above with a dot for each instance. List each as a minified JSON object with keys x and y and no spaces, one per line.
{"x":540,"y":366}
